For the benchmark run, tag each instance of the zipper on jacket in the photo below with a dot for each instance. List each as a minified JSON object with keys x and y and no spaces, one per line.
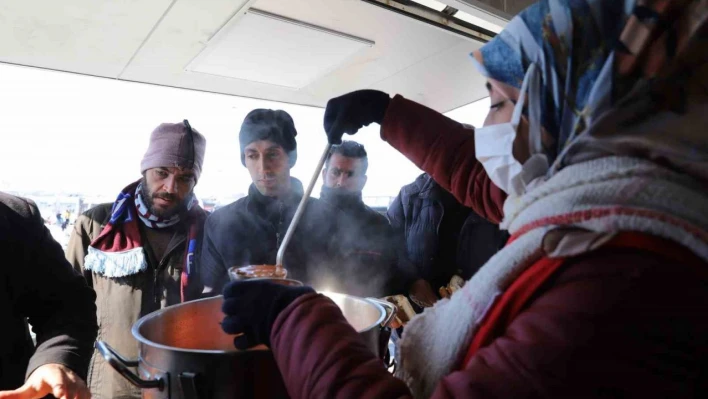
{"x":162,"y":265}
{"x":155,"y":286}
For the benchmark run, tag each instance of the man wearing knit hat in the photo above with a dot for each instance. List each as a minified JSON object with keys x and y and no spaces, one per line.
{"x":250,"y":230}
{"x":138,"y":252}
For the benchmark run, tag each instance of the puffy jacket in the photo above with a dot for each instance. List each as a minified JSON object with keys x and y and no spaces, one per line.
{"x":442,"y":237}
{"x":39,"y":286}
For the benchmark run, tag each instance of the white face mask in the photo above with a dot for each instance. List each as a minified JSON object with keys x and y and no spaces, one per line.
{"x":494,"y":144}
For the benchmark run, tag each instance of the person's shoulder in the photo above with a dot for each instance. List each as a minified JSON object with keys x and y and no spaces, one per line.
{"x":90,"y":221}
{"x":200,"y":212}
{"x":374,"y":224}
{"x":19,"y":217}
{"x":416,"y":187}
{"x":321,"y":206}
{"x":228,"y":214}
{"x":21,"y":207}
{"x":608,"y":264}
{"x":376,"y":217}
{"x":100,"y":212}
{"x":321,"y":213}
{"x":236,"y":206}
{"x":420,"y":181}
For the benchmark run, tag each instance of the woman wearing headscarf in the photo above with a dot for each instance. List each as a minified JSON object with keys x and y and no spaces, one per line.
{"x":594,"y":156}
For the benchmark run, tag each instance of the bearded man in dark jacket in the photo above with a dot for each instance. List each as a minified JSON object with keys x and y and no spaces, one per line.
{"x":250,"y":230}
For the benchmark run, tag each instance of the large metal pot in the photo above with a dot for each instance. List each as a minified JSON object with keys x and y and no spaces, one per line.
{"x":185,"y":354}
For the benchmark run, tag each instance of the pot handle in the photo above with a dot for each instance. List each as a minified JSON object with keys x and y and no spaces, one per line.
{"x":390,"y":308}
{"x":121,"y":365}
{"x":188,"y":382}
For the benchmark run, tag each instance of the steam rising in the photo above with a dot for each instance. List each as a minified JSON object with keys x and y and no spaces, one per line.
{"x":353,"y":251}
{"x":367,"y":261}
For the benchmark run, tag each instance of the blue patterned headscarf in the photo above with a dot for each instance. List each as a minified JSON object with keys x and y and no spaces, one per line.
{"x":590,"y":54}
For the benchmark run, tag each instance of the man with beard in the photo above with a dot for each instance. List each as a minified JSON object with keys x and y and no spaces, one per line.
{"x":250,"y":230}
{"x":138,"y":252}
{"x":369,"y":246}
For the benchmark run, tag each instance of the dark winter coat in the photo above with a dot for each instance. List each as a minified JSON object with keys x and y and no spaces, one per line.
{"x":250,"y":231}
{"x":442,"y":237}
{"x":40,"y":287}
{"x":369,"y":249}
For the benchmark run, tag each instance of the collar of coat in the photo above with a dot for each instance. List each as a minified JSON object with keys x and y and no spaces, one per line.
{"x":344,"y":200}
{"x":294,"y":196}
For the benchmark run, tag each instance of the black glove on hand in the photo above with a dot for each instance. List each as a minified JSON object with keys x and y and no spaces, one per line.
{"x":251,"y":308}
{"x":352,"y":111}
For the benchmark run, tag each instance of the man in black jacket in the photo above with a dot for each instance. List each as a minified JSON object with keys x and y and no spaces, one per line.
{"x":40,"y":286}
{"x":250,"y":230}
{"x":369,"y":248}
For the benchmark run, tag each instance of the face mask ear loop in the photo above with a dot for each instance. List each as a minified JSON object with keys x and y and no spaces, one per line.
{"x":519,"y":108}
{"x":536,"y":164}
{"x":535,"y":144}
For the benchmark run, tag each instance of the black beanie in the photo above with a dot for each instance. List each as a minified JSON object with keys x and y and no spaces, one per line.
{"x":267,"y":124}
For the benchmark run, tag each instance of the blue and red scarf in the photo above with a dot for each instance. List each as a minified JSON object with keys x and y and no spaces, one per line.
{"x":118,"y":250}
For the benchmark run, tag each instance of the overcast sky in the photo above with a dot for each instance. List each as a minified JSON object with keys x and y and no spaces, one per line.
{"x":68,"y":133}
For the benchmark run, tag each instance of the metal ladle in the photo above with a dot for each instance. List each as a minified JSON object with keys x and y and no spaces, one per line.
{"x":300,"y":209}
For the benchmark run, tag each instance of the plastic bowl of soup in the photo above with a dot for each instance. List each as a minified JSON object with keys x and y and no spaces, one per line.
{"x":257,"y":271}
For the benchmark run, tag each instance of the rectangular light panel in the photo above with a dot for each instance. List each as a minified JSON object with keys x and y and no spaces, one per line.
{"x":267,"y":48}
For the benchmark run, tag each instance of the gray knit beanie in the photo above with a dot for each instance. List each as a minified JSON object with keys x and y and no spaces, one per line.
{"x":175,"y":145}
{"x":267,"y":124}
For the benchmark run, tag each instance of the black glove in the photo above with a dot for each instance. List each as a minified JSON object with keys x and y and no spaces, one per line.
{"x":251,"y":308}
{"x":352,"y":111}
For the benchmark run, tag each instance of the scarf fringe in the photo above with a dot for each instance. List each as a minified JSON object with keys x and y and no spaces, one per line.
{"x":116,"y":264}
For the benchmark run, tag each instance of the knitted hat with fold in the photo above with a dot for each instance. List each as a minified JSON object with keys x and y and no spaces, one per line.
{"x":175,"y":145}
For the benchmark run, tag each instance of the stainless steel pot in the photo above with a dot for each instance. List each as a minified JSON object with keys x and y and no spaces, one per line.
{"x":185,"y":354}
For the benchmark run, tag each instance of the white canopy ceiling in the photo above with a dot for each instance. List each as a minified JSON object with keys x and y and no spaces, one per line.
{"x":323,"y":47}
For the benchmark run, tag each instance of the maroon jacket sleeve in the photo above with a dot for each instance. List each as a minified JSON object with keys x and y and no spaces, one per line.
{"x":444,"y":149}
{"x":615,"y":323}
{"x":321,"y":356}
